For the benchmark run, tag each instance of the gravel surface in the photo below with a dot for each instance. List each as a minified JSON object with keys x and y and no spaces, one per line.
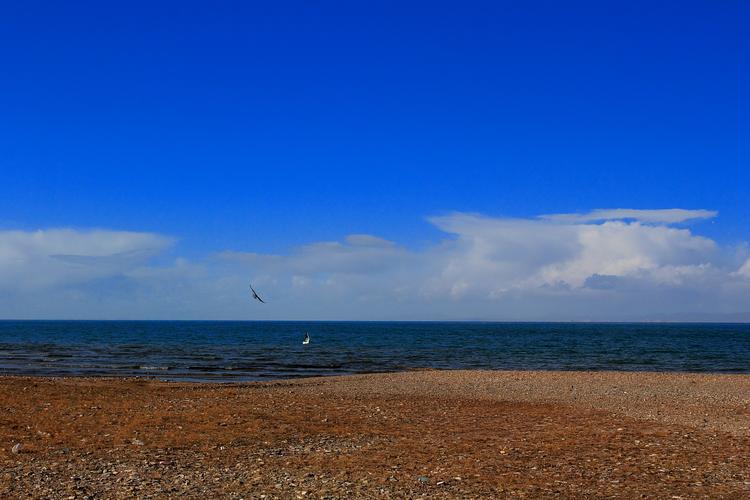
{"x":424,"y":434}
{"x":716,"y":402}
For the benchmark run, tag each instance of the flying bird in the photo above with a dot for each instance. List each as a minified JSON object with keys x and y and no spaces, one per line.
{"x":255,"y":294}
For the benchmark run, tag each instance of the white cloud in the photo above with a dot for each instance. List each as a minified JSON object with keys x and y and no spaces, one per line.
{"x":496,"y":255}
{"x":367,"y":240}
{"x":359,"y":254}
{"x":40,"y":259}
{"x":593,"y":267}
{"x":664,"y":216}
{"x":744,"y":270}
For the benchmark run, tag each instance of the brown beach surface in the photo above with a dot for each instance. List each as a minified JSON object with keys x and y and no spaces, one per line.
{"x":415,"y":434}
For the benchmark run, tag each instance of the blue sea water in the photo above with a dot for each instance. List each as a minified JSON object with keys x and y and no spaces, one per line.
{"x":240,"y":350}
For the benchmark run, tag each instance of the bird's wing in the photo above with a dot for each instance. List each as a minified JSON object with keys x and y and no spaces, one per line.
{"x":255,"y":294}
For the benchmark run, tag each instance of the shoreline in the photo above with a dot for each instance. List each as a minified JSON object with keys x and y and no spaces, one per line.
{"x":413,"y":433}
{"x":161,"y":375}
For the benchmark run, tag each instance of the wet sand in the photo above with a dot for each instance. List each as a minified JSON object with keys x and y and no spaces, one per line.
{"x":420,"y":434}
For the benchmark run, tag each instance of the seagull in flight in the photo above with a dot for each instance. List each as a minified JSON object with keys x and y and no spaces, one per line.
{"x":255,"y":294}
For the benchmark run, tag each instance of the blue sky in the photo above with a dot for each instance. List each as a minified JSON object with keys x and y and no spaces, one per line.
{"x":268,"y":127}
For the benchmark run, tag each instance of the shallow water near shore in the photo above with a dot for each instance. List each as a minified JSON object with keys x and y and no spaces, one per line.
{"x":255,"y":350}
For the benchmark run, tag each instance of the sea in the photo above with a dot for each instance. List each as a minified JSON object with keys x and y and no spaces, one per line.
{"x":216,"y":351}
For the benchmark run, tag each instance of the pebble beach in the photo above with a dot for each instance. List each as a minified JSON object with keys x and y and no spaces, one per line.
{"x":418,"y":434}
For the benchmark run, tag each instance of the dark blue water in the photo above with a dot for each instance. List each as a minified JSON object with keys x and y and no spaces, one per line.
{"x":227,"y":350}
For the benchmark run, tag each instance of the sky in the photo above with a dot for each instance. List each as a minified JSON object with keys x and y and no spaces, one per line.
{"x":375,"y":160}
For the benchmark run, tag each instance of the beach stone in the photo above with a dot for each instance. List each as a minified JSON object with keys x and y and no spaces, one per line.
{"x":472,"y":418}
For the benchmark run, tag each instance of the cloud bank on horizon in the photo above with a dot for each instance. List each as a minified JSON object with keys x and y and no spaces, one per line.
{"x":614,"y":264}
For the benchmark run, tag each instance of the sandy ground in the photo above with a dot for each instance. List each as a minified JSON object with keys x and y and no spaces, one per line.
{"x":466,"y":434}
